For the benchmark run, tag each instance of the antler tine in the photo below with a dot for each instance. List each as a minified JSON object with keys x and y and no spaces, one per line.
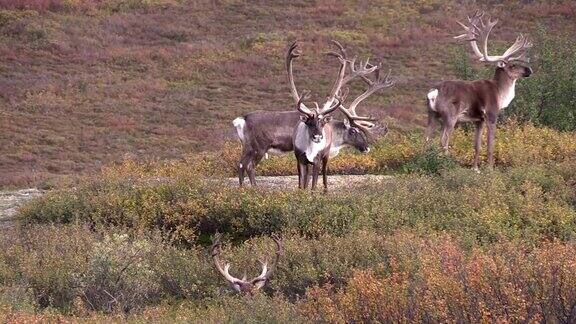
{"x":300,"y":105}
{"x":291,"y":54}
{"x":361,"y":71}
{"x":343,"y":95}
{"x":266,"y":273}
{"x":216,"y":246}
{"x":340,"y":48}
{"x":327,"y":107}
{"x":333,"y":107}
{"x":520,"y":46}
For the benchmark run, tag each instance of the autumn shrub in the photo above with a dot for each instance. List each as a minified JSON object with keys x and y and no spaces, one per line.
{"x":525,"y":202}
{"x":398,"y":153}
{"x":75,"y":269}
{"x":402,"y":276}
{"x":432,"y":161}
{"x":439,"y":282}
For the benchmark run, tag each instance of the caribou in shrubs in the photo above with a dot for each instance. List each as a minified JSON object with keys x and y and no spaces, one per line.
{"x":478,"y":101}
{"x":244,"y":285}
{"x":266,"y":132}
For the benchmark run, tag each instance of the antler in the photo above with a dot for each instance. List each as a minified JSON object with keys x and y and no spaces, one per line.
{"x":293,"y":53}
{"x":377,"y":84}
{"x":477,"y":30}
{"x":216,"y":245}
{"x":363,"y":69}
{"x":266,"y":273}
{"x":242,"y":285}
{"x":301,"y":107}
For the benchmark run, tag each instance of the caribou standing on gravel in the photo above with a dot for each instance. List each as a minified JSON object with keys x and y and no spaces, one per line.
{"x":244,"y":285}
{"x":478,"y":101}
{"x":273,"y":131}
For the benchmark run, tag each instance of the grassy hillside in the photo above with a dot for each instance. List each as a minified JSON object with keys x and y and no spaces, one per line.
{"x":85,"y":83}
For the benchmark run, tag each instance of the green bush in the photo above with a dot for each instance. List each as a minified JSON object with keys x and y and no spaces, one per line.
{"x":432,"y":161}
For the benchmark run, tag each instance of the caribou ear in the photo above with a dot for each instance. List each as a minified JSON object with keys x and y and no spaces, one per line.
{"x":501,"y":64}
{"x":303,"y":118}
{"x":327,"y":119}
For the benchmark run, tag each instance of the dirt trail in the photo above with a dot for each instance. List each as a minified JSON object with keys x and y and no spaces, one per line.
{"x":11,"y":200}
{"x":334,"y":181}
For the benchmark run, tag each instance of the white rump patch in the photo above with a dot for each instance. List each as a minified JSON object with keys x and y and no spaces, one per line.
{"x":304,"y":143}
{"x":240,"y":123}
{"x":432,"y":95}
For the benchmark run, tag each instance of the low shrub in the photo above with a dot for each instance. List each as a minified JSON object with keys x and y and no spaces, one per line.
{"x":528,"y":202}
{"x":516,"y":145}
{"x":75,"y":269}
{"x":365,"y":275}
{"x":505,"y":283}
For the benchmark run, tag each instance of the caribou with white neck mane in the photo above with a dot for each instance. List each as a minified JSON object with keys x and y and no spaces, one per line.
{"x":478,"y":101}
{"x":313,"y":135}
{"x":264,"y":132}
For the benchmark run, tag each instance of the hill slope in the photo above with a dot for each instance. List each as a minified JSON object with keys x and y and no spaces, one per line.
{"x":84,"y":83}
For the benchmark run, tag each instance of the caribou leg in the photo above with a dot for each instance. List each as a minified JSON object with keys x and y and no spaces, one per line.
{"x":306,"y":175}
{"x":302,"y":177}
{"x":431,"y":126}
{"x":325,"y":173}
{"x":245,"y":160}
{"x":256,"y":158}
{"x":315,"y":172}
{"x":491,"y":137}
{"x":477,"y":143}
{"x":448,"y":125}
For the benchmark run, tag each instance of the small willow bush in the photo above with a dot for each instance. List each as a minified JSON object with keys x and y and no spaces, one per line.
{"x":439,"y":282}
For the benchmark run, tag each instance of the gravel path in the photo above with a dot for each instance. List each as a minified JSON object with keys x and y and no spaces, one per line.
{"x":334,"y":181}
{"x":10,"y":200}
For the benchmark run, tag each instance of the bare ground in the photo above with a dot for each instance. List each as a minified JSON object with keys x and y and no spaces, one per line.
{"x":334,"y":181}
{"x":11,"y":200}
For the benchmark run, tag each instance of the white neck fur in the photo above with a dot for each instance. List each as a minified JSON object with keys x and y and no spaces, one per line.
{"x":303,"y":142}
{"x":506,"y":95}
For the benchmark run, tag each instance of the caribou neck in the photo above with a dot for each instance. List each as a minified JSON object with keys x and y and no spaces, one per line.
{"x":338,"y":134}
{"x":506,"y":87}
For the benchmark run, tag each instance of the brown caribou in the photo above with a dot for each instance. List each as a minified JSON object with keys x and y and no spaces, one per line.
{"x":478,"y":101}
{"x":244,"y":285}
{"x":313,"y":135}
{"x":264,"y":132}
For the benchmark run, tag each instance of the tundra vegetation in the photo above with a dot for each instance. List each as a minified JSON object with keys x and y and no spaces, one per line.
{"x":132,"y":242}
